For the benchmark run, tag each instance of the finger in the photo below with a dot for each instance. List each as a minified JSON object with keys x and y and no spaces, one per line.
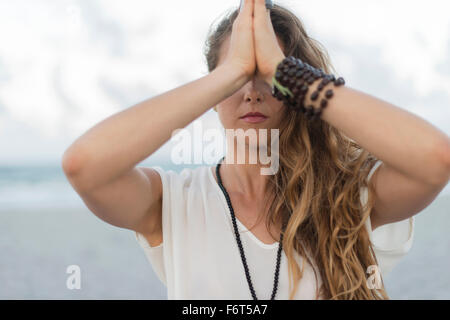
{"x":246,"y":7}
{"x":262,"y":14}
{"x":260,"y":7}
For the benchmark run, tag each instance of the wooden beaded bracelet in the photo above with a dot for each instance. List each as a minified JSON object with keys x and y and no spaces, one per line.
{"x":291,"y":85}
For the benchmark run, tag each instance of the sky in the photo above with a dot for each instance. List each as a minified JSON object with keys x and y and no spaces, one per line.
{"x":66,"y":65}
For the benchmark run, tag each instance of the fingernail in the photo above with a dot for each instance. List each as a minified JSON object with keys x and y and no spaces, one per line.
{"x":269,"y":4}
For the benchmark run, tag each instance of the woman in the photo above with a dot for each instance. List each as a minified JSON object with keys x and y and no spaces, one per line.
{"x":306,"y":232}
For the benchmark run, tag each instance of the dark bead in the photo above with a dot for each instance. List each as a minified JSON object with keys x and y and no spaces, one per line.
{"x":339,"y":82}
{"x":332,"y":77}
{"x":309,"y":110}
{"x":310,"y":80}
{"x":284,"y":80}
{"x":323,"y":103}
{"x":304,"y":88}
{"x":305,"y":76}
{"x":318,"y":113}
{"x":314,"y":95}
{"x":292,"y":101}
{"x":295,"y":91}
{"x":298,"y":74}
{"x":326,"y":81}
{"x":322,"y":83}
{"x":299,"y":83}
{"x":291,"y":72}
{"x":329,"y":93}
{"x":320,"y":86}
{"x":278,"y":75}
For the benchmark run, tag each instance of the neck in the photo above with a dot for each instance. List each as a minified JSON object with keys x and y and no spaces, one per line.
{"x":245,"y":178}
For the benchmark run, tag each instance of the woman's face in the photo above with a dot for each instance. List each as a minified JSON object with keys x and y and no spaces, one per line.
{"x":254,"y":96}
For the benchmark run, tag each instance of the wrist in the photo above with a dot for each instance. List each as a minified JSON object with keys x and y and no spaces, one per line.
{"x":269,"y":77}
{"x":303,"y":87}
{"x":235,"y":78}
{"x":312,"y":88}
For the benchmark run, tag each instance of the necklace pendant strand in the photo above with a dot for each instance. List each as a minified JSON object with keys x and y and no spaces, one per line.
{"x":239,"y":242}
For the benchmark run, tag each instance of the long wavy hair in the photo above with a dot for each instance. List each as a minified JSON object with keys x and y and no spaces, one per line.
{"x":318,"y":184}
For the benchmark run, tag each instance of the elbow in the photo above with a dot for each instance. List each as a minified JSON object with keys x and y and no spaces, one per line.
{"x":77,"y":166}
{"x":73,"y":165}
{"x":72,"y":162}
{"x":442,"y":154}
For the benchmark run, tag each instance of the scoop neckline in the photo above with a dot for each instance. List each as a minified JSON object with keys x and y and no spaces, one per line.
{"x":239,"y":223}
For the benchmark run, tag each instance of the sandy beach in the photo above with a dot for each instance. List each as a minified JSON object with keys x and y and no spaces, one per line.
{"x":37,"y":246}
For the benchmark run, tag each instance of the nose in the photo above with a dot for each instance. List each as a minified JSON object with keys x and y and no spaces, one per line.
{"x":253,"y":94}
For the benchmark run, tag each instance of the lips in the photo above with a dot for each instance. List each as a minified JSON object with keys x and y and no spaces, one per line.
{"x":253,"y":117}
{"x":251,"y":114}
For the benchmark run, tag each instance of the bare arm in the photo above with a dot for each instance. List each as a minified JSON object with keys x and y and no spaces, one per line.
{"x":415,"y":154}
{"x":115,"y":145}
{"x":100,"y":164}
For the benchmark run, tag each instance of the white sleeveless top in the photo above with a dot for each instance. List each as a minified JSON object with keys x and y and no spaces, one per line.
{"x":199,"y":257}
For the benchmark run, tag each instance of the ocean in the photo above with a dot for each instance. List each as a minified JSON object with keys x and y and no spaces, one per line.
{"x":45,"y":228}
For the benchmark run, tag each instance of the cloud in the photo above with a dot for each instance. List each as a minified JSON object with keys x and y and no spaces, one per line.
{"x":67,"y":65}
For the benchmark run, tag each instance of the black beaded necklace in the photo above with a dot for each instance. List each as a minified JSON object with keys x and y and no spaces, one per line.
{"x":239,"y":243}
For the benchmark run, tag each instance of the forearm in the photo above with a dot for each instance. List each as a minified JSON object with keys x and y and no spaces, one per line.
{"x":399,"y":138}
{"x":118,"y":143}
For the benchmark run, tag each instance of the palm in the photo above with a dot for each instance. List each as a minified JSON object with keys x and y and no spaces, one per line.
{"x":268,"y":52}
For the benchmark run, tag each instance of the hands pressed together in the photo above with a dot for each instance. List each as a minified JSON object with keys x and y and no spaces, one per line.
{"x":254,"y":47}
